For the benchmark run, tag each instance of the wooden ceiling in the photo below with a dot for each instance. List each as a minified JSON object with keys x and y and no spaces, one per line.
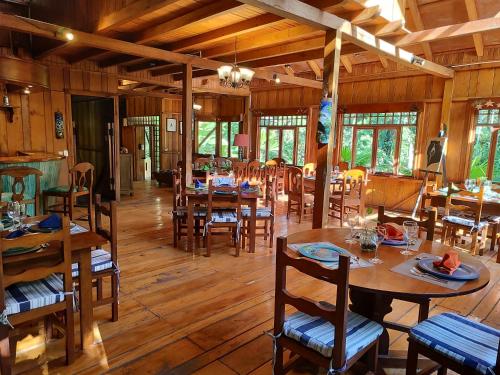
{"x":212,"y":29}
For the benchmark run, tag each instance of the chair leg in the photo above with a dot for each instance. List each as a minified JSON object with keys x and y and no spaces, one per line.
{"x":473,"y":245}
{"x":99,"y":288}
{"x":175,"y":224}
{"x":5,"y":352}
{"x":412,"y":360}
{"x":271,"y":233}
{"x":442,"y":370}
{"x":209,"y":242}
{"x":494,"y":231}
{"x":91,"y":213}
{"x":115,"y":293}
{"x":289,"y":205}
{"x":372,"y":358}
{"x":237,"y":245}
{"x":278,"y":364}
{"x":45,"y":204}
{"x":70,"y":333}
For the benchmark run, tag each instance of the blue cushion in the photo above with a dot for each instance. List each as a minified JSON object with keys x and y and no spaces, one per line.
{"x":318,"y":334}
{"x":262,"y":212}
{"x":224,"y":216}
{"x":465,"y":222}
{"x":100,"y":261}
{"x":465,"y":341}
{"x":26,"y":296}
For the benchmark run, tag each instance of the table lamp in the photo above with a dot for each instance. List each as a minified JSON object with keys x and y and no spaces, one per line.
{"x":241,"y":140}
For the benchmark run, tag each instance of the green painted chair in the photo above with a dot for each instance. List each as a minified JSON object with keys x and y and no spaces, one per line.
{"x":19,"y":190}
{"x":81,"y":183}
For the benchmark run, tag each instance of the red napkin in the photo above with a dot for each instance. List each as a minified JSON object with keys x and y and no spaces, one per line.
{"x":449,"y":263}
{"x":393,"y":231}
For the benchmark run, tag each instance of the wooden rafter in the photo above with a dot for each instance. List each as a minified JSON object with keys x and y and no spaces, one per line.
{"x":289,"y":70}
{"x":417,"y":19}
{"x":478,"y":38}
{"x":315,"y":68}
{"x":51,"y":31}
{"x":312,"y":16}
{"x":347,"y":62}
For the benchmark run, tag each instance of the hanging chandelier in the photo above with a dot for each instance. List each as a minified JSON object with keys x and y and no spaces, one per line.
{"x":233,"y":75}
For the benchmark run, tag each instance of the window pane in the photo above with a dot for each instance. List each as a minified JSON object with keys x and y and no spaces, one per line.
{"x":224,"y":139}
{"x":407,"y":150}
{"x":287,"y":145}
{"x":480,"y":152}
{"x":274,"y":144}
{"x":364,"y":143}
{"x":385,"y":151}
{"x":206,"y":137}
{"x":235,"y":129}
{"x":496,"y":164}
{"x":301,"y":146}
{"x":346,"y":151}
{"x":262,"y":147}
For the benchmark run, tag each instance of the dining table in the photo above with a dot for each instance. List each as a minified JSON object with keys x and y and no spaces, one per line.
{"x":200,"y":197}
{"x":373,"y":289}
{"x":491,"y":200}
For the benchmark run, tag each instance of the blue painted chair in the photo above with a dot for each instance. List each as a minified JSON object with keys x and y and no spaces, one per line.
{"x":456,"y":343}
{"x":19,"y":191}
{"x":327,"y":335}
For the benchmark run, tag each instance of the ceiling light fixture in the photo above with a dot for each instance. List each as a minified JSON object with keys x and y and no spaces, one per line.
{"x":196,"y":107}
{"x":276,"y":79}
{"x":233,"y":75}
{"x":27,"y":91}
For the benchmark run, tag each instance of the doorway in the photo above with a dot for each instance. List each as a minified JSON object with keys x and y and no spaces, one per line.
{"x":93,"y":133}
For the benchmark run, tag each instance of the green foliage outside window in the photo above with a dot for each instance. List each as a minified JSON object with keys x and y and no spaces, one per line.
{"x":487,"y":125}
{"x":206,"y":137}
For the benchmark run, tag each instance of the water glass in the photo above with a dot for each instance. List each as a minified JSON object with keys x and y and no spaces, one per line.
{"x":381,"y":236}
{"x":13,"y":211}
{"x":411,"y":232}
{"x":23,"y":214}
{"x":352,"y":222}
{"x":336,"y":171}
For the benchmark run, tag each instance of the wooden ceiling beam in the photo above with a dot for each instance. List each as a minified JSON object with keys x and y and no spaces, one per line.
{"x":417,"y":19}
{"x":315,"y":68}
{"x":314,"y":17}
{"x":50,"y":31}
{"x":289,"y":70}
{"x":478,"y":38}
{"x":384,"y":62}
{"x":347,"y":62}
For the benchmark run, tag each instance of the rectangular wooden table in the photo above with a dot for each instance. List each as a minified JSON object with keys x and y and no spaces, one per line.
{"x":491,"y":206}
{"x":201,"y":197}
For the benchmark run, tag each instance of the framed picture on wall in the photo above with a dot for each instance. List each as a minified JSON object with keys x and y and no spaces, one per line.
{"x":171,"y":125}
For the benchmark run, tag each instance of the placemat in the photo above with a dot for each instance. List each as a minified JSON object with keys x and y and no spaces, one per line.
{"x":77,"y":229}
{"x":409,"y":268}
{"x":356,"y":262}
{"x":413,"y":247}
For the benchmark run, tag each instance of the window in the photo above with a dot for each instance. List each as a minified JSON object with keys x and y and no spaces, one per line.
{"x":485,"y":158}
{"x":283,"y":137}
{"x":207,"y":136}
{"x":384,"y":141}
{"x":227,"y":132}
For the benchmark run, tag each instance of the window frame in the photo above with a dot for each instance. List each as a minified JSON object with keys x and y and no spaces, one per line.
{"x":381,"y":109}
{"x":230,"y":136}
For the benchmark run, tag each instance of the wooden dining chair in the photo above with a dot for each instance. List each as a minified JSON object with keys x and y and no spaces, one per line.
{"x":35,"y":285}
{"x":264,"y":213}
{"x":200,"y":163}
{"x":19,"y":181}
{"x":223,"y":214}
{"x":81,"y":185}
{"x":349,"y":197}
{"x":327,"y":335}
{"x":104,"y":263}
{"x":254,"y":171}
{"x":223,"y":164}
{"x":343,"y":166}
{"x":463,"y":214}
{"x":462,"y":345}
{"x":240,"y":170}
{"x":309,"y":169}
{"x":298,"y":200}
{"x":427,"y":225}
{"x":179,"y":212}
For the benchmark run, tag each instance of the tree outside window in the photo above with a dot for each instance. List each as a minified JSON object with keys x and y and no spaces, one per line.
{"x":485,"y":158}
{"x":207,"y":136}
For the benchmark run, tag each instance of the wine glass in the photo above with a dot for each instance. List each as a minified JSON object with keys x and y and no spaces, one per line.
{"x":336,"y":171}
{"x":352,"y":222}
{"x":468,"y":184}
{"x":381,"y":234}
{"x":411,"y":232}
{"x":13,"y":212}
{"x":23,"y":214}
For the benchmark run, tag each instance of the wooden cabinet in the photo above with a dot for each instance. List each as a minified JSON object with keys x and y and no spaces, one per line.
{"x":126,"y":174}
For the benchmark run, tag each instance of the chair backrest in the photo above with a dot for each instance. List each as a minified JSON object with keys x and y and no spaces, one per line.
{"x":355,"y":180}
{"x":280,"y":161}
{"x":467,"y":203}
{"x":82,"y":178}
{"x":271,"y":168}
{"x":199,"y":163}
{"x":240,"y":169}
{"x":233,"y":203}
{"x":295,"y":186}
{"x":222,"y":163}
{"x":19,"y":177}
{"x":271,"y":192}
{"x":309,"y":169}
{"x":428,"y":225}
{"x":336,"y":315}
{"x":361,"y":168}
{"x":177,"y":199}
{"x":343,"y":166}
{"x":254,"y":171}
{"x":179,"y":165}
{"x":111,"y":234}
{"x":55,"y":258}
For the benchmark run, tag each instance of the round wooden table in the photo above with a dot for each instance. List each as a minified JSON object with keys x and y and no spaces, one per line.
{"x":372,"y":289}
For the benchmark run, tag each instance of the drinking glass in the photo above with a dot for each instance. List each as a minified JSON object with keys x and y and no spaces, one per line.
{"x":352,"y":222}
{"x":411,"y":231}
{"x":336,"y":171}
{"x":381,"y":235}
{"x":23,"y":214}
{"x":13,"y":212}
{"x":468,"y":184}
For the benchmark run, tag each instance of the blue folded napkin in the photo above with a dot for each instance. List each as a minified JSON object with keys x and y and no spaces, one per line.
{"x":15,"y":234}
{"x":245,"y":185}
{"x":52,"y":222}
{"x":198,"y":184}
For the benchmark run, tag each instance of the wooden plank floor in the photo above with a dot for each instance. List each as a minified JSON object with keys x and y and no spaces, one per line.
{"x":184,"y":314}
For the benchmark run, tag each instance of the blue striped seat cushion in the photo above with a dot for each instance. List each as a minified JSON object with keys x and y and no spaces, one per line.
{"x":197,"y":212}
{"x":261,"y":212}
{"x":465,"y":222}
{"x":101,"y":260}
{"x":224,"y":217}
{"x":318,"y":334}
{"x":26,"y":296}
{"x":471,"y":344}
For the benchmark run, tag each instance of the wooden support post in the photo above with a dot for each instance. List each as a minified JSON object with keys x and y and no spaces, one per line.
{"x":449,"y":85}
{"x":248,"y":128}
{"x":333,"y":43}
{"x":187,"y":119}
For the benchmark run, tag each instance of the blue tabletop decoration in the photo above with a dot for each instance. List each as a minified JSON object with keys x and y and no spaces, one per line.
{"x":15,"y":234}
{"x":245,"y":185}
{"x":52,"y":222}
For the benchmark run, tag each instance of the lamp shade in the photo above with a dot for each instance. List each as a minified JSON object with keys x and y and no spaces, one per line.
{"x":241,"y":140}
